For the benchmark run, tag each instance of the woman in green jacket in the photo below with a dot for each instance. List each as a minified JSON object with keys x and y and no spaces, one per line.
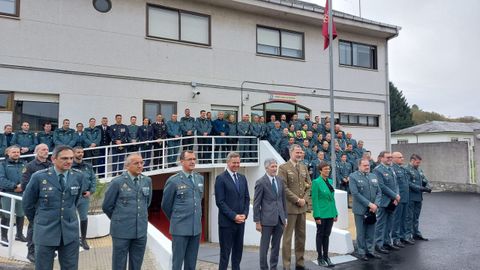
{"x":324,"y":212}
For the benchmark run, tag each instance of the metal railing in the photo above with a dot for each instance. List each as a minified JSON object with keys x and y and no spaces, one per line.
{"x":108,"y":161}
{"x":11,"y":212}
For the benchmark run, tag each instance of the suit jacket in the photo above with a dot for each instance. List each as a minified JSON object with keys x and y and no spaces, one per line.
{"x":54,"y":211}
{"x":297,"y":185}
{"x":231,"y":202}
{"x":268,"y":206}
{"x":105,"y":138}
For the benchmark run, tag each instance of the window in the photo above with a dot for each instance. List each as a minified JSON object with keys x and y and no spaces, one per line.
{"x":35,"y":113}
{"x":179,"y":25}
{"x":152,"y":108}
{"x":6,"y":101}
{"x":280,"y":42}
{"x":10,"y":7}
{"x":359,"y":120}
{"x":227,"y":110}
{"x":402,"y":141}
{"x":454,"y":139}
{"x":358,"y":55}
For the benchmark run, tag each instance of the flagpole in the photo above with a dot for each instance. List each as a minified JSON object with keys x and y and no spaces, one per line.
{"x":332,"y":105}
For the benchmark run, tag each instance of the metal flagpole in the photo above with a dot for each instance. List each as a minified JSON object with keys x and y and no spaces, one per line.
{"x":332,"y":105}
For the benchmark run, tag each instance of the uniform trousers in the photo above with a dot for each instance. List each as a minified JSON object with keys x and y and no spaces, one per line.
{"x":82,"y":208}
{"x":399,"y":223}
{"x":365,"y":236}
{"x":67,"y":256}
{"x":297,"y":223}
{"x":185,"y":251}
{"x":383,"y":227}
{"x":173,"y":150}
{"x":415,"y":207}
{"x":134,"y":249}
{"x":118,"y":157}
{"x":187,"y":143}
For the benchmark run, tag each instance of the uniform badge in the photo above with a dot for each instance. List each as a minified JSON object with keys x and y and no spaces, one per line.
{"x":50,"y":188}
{"x":386,"y":174}
{"x":374,"y":180}
{"x":44,"y":182}
{"x":200,"y":185}
{"x":124,"y":185}
{"x":24,"y":169}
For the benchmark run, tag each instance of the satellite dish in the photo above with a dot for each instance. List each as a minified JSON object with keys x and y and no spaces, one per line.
{"x":103,"y":6}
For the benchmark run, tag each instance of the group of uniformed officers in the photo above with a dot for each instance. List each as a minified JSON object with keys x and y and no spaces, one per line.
{"x":386,"y":203}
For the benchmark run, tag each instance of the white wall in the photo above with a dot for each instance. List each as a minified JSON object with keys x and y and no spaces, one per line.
{"x":433,"y":137}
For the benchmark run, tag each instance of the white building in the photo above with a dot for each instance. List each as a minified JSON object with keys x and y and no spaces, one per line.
{"x":63,"y":59}
{"x":436,"y":131}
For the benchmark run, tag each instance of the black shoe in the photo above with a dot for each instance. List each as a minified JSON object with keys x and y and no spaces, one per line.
{"x":381,"y":250}
{"x":408,"y":241}
{"x":20,"y":238}
{"x":329,"y":262}
{"x":322,"y":262}
{"x":362,"y":257}
{"x":390,"y":247}
{"x":399,"y":244}
{"x":373,"y":256}
{"x":84,"y":244}
{"x":31,"y":257}
{"x":298,"y":267}
{"x":419,"y":237}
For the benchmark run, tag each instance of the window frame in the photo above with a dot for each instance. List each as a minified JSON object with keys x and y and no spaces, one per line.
{"x":280,"y":30}
{"x":159,"y":102}
{"x":179,"y":12}
{"x":357,"y":116}
{"x":17,"y":11}
{"x":10,"y":102}
{"x":352,"y":43}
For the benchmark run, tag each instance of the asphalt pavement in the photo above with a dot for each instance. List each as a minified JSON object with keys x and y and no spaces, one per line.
{"x":451,"y":222}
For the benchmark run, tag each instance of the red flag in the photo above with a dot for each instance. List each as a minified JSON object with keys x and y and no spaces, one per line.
{"x":326,"y":40}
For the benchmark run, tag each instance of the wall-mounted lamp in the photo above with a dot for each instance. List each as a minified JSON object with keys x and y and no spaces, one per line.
{"x":194,"y":89}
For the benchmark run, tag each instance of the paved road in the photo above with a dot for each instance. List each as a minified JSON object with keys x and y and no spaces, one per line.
{"x":452,"y":223}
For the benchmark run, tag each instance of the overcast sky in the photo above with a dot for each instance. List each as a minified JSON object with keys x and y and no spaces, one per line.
{"x":435,"y":60}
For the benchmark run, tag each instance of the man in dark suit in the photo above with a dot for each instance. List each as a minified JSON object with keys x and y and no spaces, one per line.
{"x":269,"y":213}
{"x":105,"y":140}
{"x":233,"y":202}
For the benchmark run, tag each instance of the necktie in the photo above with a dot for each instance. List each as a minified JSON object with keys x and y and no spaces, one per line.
{"x":61,"y":180}
{"x":135,"y":180}
{"x":274,"y":186}
{"x":237,"y":184}
{"x":191,"y":179}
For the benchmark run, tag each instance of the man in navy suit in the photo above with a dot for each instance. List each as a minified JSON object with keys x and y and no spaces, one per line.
{"x":233,"y":202}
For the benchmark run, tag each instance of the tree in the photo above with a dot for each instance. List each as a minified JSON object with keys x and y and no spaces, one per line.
{"x":400,"y":113}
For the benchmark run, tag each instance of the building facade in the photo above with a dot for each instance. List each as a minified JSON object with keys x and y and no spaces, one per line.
{"x":64,"y":59}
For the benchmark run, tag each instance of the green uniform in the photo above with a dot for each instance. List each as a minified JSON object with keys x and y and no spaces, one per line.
{"x":24,"y":139}
{"x":64,"y":137}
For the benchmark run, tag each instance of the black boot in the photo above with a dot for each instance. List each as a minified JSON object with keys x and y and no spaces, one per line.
{"x":83,"y":232}
{"x":5,"y":222}
{"x":20,"y":237}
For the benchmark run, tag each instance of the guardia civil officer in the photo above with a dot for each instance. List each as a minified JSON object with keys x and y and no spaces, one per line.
{"x":159,"y":129}
{"x":126,"y":204}
{"x":11,"y":170}
{"x":174,"y":132}
{"x":255,"y":130}
{"x":399,"y":221}
{"x":64,"y":135}
{"x":46,"y":136}
{"x":40,"y":162}
{"x":79,"y":135}
{"x":89,"y":189}
{"x":92,"y":139}
{"x":132,"y":134}
{"x":187,"y":125}
{"x":25,"y":139}
{"x":182,"y":204}
{"x":232,"y":131}
{"x":120,"y":135}
{"x":390,"y":195}
{"x":51,"y":197}
{"x":243,"y":129}
{"x":366,"y":195}
{"x":145,"y":134}
{"x":204,"y":128}
{"x":418,"y":184}
{"x":105,"y":140}
{"x":8,"y":134}
{"x":220,"y":128}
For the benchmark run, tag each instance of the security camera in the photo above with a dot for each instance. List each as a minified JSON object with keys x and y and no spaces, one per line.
{"x":314,"y":91}
{"x":195,"y":92}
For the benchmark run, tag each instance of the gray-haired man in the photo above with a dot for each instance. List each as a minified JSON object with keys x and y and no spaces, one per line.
{"x":269,"y":213}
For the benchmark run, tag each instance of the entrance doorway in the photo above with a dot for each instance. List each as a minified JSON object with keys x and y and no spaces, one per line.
{"x":276,"y":108}
{"x":156,"y":216}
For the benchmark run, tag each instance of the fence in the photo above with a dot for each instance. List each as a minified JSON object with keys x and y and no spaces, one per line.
{"x":11,"y":212}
